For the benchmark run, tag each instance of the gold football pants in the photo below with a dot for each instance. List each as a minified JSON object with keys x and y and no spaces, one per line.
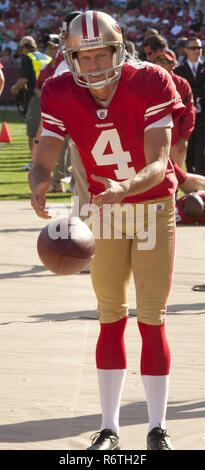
{"x":141,"y":242}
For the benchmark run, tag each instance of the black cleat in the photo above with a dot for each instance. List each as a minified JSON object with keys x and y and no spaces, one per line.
{"x":158,"y":439}
{"x":105,"y":440}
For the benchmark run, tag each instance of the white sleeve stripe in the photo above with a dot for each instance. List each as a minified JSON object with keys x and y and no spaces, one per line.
{"x":46,"y":133}
{"x":153,"y":113}
{"x":51,"y":117}
{"x":162,"y":105}
{"x":166,"y":121}
{"x":61,"y":127}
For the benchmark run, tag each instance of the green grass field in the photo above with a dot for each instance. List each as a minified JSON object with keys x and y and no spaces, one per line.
{"x":15,"y":155}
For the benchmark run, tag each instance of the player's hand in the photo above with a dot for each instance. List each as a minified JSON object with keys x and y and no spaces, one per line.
{"x":113,"y":194}
{"x":38,"y":200}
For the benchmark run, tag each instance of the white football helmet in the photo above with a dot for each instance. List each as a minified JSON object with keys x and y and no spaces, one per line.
{"x":94,"y":29}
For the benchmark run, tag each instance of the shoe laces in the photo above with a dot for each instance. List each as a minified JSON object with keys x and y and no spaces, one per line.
{"x":161,"y":434}
{"x":101,"y":435}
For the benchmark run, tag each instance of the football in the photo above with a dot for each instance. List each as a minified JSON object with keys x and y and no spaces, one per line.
{"x":194,"y":205}
{"x":66,"y":245}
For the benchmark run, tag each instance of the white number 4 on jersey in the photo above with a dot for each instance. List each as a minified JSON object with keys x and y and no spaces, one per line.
{"x":118,"y":155}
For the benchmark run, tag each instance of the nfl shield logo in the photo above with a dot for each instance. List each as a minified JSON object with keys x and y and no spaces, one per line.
{"x":102,"y":113}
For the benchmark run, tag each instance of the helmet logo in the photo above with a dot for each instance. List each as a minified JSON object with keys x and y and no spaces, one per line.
{"x":97,"y":40}
{"x":102,"y":113}
{"x":116,"y":27}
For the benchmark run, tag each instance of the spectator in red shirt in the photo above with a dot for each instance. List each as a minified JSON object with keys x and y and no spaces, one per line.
{"x":184,"y":125}
{"x":80,"y":4}
{"x":52,"y":43}
{"x":184,"y":13}
{"x":186,"y":30}
{"x":12,"y":13}
{"x":145,"y":8}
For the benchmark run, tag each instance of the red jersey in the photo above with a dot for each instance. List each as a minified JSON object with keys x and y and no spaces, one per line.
{"x":180,"y":174}
{"x":184,"y":124}
{"x":49,"y":70}
{"x":45,"y":73}
{"x":182,"y":218}
{"x":111,"y":140}
{"x":59,"y":58}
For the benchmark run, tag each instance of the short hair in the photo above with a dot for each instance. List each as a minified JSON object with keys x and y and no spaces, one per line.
{"x":152,"y":31}
{"x":191,"y":38}
{"x":28,"y":42}
{"x":156,"y":42}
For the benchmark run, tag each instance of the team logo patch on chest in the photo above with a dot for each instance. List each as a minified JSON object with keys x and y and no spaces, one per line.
{"x":102,"y":113}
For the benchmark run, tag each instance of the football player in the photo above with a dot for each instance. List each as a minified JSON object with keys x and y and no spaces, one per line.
{"x":120,"y":117}
{"x":184,"y":125}
{"x":190,"y":208}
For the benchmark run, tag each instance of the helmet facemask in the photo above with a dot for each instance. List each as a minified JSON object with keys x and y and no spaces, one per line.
{"x":83,"y":79}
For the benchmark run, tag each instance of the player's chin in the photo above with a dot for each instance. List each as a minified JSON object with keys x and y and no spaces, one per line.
{"x":97,"y":78}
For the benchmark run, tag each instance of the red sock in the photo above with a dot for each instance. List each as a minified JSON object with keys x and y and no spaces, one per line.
{"x":110,"y":350}
{"x":155,"y":355}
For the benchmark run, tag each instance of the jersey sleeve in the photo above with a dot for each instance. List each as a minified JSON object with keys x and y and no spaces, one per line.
{"x":161,"y":97}
{"x":52,"y":122}
{"x":180,"y":174}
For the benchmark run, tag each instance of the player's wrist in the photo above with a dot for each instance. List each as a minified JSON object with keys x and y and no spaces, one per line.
{"x":125,"y":188}
{"x":35,"y":141}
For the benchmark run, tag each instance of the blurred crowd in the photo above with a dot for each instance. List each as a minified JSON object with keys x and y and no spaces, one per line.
{"x":174,"y":20}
